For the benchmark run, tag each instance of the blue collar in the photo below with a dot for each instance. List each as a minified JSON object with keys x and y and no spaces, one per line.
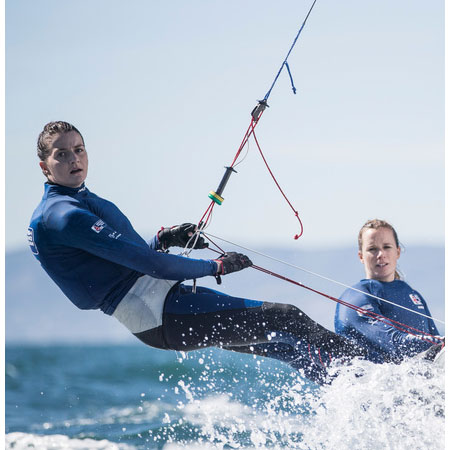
{"x":64,"y":190}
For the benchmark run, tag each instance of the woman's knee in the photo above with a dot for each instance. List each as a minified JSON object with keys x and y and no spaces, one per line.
{"x":288,"y":317}
{"x":282,"y":309}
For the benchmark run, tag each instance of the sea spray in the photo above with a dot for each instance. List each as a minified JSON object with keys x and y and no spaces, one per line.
{"x":140,"y":398}
{"x":366,"y":406}
{"x":382,"y":406}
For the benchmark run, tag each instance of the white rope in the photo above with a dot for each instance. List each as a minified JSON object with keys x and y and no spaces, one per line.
{"x":321,"y":276}
{"x":189,"y":247}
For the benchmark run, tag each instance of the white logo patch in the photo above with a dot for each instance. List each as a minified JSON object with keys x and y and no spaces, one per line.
{"x":416,"y":300}
{"x":30,"y":237}
{"x":98,"y":226}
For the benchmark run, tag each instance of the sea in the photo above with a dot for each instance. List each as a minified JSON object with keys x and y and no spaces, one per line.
{"x":130,"y":396}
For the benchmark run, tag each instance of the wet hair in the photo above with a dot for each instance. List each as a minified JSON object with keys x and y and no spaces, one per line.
{"x":51,"y":129}
{"x":375,"y":224}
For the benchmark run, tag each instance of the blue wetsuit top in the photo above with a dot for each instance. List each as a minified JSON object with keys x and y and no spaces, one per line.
{"x":379,"y":338}
{"x":91,"y":251}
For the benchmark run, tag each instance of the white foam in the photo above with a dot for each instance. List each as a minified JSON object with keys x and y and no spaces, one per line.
{"x":142,"y":414}
{"x":367,"y":406}
{"x":387,"y":406}
{"x":22,"y":441}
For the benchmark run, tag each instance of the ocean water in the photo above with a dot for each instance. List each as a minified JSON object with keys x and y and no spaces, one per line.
{"x":136,"y":397}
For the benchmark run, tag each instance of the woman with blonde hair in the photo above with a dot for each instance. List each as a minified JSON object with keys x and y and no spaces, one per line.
{"x":379,"y":251}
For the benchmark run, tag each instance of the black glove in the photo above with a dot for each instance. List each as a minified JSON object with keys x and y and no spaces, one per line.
{"x":232,"y":262}
{"x":179,"y":236}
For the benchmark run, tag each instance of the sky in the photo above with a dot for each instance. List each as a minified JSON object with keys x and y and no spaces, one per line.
{"x":162,"y":93}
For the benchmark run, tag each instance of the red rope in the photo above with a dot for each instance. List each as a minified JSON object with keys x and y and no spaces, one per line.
{"x":203,"y":222}
{"x":391,"y":322}
{"x":278,"y":186}
{"x":246,"y":137}
{"x":250,"y":131}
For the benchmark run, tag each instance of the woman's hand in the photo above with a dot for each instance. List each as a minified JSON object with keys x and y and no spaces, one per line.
{"x":181,"y":236}
{"x":232,"y":262}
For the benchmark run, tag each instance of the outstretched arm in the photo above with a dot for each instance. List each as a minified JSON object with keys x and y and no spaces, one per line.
{"x":79,"y":228}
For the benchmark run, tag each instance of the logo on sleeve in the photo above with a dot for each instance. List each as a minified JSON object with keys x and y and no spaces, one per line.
{"x":98,"y":226}
{"x":30,"y":237}
{"x":416,"y":300}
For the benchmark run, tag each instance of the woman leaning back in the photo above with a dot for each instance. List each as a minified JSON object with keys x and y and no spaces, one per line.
{"x":92,"y":252}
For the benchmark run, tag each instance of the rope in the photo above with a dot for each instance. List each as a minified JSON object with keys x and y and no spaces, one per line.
{"x":321,"y":276}
{"x":207,"y":214}
{"x":279,"y":188}
{"x":391,"y":322}
{"x":287,"y":56}
{"x":379,"y":317}
{"x":204,"y":221}
{"x":256,"y":115}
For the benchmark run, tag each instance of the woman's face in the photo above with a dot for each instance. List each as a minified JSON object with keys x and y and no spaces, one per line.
{"x":67,"y":163}
{"x":379,"y":254}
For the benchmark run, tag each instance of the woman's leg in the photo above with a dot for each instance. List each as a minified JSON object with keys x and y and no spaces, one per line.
{"x":301,"y":357}
{"x":210,"y":318}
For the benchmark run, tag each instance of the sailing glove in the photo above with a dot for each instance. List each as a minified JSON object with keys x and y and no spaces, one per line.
{"x":181,"y":236}
{"x":232,"y":262}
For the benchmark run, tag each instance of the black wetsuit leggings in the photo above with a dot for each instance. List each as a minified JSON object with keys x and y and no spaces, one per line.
{"x":207,"y":318}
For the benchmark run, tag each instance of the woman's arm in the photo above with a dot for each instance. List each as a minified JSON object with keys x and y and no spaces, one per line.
{"x":76,"y":227}
{"x":365,"y":329}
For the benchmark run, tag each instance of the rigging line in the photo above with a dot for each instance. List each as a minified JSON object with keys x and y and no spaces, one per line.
{"x":243,"y":157}
{"x":250,"y":130}
{"x":216,"y":197}
{"x":220,"y":250}
{"x":208,"y":213}
{"x":253,"y":122}
{"x":278,"y":186}
{"x":202,"y":226}
{"x":187,"y":251}
{"x":287,"y":56}
{"x":322,"y":276}
{"x":245,"y":139}
{"x":379,"y":317}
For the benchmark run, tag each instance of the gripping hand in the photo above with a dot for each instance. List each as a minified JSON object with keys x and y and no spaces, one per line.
{"x":179,"y":236}
{"x":232,"y":262}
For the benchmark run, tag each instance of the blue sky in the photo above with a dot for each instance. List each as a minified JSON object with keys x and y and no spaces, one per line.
{"x":162,"y":92}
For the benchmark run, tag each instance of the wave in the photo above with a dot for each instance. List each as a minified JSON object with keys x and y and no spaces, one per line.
{"x":366,"y":407}
{"x":22,"y":441}
{"x":218,"y":400}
